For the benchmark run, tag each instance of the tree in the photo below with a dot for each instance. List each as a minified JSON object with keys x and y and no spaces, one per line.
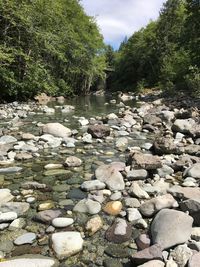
{"x":48,"y":46}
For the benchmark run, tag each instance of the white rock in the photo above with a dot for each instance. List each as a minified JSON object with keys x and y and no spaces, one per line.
{"x":66,"y":244}
{"x":35,"y":261}
{"x":87,"y":138}
{"x":27,"y":238}
{"x":62,"y":222}
{"x":3,"y":226}
{"x":56,"y":129}
{"x":5,"y":196}
{"x":133,"y":215}
{"x":8,"y":216}
{"x":83,"y":121}
{"x":17,"y":223}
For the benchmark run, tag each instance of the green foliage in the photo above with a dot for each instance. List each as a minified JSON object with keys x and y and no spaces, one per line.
{"x":192,"y":30}
{"x":193,"y":80}
{"x":48,"y":46}
{"x":162,"y":52}
{"x":137,"y":59}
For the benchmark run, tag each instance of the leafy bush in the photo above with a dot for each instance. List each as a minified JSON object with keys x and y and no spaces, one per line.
{"x":193,"y":80}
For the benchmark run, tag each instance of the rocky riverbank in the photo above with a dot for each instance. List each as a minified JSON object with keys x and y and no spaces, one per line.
{"x":113,"y":190}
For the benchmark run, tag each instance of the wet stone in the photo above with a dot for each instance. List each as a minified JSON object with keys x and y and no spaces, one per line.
{"x":6,"y":246}
{"x":87,"y":206}
{"x":112,"y":263}
{"x":26,"y":249}
{"x":76,"y":193}
{"x":27,"y":238}
{"x":61,"y":187}
{"x":117,"y":251}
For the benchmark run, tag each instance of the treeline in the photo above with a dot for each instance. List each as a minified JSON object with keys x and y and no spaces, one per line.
{"x":166,"y":53}
{"x":48,"y":46}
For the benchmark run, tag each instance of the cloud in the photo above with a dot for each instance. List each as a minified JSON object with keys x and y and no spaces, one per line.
{"x":120,"y":18}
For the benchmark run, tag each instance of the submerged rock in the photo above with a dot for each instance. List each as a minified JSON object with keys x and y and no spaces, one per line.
{"x":88,"y":206}
{"x":10,"y":170}
{"x":73,"y":161}
{"x":56,"y":129}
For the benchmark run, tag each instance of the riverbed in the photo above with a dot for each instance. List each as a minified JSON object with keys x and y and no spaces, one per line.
{"x":94,"y":171}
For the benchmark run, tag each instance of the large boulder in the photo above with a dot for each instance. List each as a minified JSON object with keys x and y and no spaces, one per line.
{"x":66,"y":244}
{"x":99,"y":131}
{"x":170,"y":228}
{"x":165,"y":145}
{"x":57,"y":130}
{"x":184,"y":126}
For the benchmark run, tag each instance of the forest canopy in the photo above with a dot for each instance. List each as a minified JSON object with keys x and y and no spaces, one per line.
{"x":164,"y":54}
{"x":48,"y":46}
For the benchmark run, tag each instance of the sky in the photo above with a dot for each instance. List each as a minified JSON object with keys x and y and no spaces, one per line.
{"x":120,"y":18}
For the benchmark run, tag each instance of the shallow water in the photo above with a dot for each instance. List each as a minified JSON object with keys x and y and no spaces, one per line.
{"x":63,"y":184}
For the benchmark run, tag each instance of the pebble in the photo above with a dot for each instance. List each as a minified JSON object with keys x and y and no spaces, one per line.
{"x":27,"y":238}
{"x":136,"y":191}
{"x":133,"y":215}
{"x":94,"y":225}
{"x":62,"y":222}
{"x":113,"y":207}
